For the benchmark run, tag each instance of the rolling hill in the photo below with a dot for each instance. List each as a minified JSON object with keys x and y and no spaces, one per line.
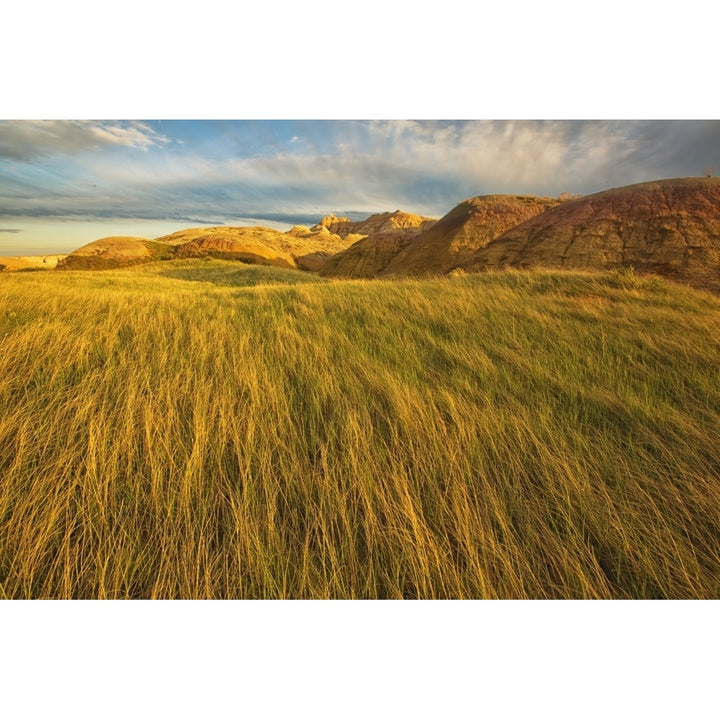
{"x":114,"y":252}
{"x":300,"y":248}
{"x":29,"y":262}
{"x":665,"y":227}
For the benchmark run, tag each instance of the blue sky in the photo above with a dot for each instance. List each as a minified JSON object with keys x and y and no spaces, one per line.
{"x":65,"y":182}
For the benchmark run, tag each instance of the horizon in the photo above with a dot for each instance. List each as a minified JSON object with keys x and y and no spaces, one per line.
{"x":65,"y":183}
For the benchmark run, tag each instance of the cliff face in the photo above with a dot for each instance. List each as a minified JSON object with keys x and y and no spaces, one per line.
{"x":667,"y":227}
{"x":470,"y":225}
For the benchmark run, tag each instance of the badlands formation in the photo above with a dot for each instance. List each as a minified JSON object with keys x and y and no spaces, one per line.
{"x":666,"y":227}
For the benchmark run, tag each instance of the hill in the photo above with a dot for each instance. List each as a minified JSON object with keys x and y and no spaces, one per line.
{"x":299,"y":248}
{"x":470,"y":225}
{"x":29,"y":262}
{"x":387,"y":222}
{"x":367,"y":257}
{"x":114,"y":252}
{"x":666,"y":227}
{"x":252,"y":244}
{"x":439,"y":246}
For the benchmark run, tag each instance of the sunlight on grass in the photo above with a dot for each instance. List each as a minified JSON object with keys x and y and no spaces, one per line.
{"x":203,"y":429}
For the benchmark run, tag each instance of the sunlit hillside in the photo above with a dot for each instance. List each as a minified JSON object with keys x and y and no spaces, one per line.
{"x":209,"y":429}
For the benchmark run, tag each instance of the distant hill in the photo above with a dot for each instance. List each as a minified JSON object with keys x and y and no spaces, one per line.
{"x":29,"y":262}
{"x":114,"y":252}
{"x":387,"y":222}
{"x":300,"y":248}
{"x":256,"y":245}
{"x":667,"y":227}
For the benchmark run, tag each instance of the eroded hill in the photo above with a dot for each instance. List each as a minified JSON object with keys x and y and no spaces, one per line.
{"x":440,"y":246}
{"x":300,"y":248}
{"x":470,"y":225}
{"x":114,"y":252}
{"x":667,"y":227}
{"x":387,"y":222}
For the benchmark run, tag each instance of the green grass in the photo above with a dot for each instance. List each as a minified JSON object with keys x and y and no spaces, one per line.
{"x":203,"y":429}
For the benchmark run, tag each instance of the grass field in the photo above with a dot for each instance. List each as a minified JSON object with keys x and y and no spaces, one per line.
{"x":207,"y":429}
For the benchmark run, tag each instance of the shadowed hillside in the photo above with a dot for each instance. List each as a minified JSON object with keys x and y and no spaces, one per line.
{"x":366,"y":258}
{"x":666,"y":227}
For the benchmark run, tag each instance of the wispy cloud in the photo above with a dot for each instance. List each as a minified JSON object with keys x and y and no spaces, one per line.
{"x":26,"y":139}
{"x":9,"y":230}
{"x":295,"y":172}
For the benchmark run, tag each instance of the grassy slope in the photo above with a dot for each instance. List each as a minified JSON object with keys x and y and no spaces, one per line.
{"x":203,"y":429}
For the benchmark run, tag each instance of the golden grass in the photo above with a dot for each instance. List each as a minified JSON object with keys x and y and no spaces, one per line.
{"x":200,"y":429}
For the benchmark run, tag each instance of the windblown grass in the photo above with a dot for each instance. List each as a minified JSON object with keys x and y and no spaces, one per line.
{"x":203,"y":429}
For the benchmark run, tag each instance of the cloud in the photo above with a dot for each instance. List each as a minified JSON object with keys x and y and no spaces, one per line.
{"x":26,"y":139}
{"x":344,"y":167}
{"x":9,"y":230}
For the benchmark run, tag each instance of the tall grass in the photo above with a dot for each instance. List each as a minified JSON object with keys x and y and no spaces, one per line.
{"x":202,"y":429}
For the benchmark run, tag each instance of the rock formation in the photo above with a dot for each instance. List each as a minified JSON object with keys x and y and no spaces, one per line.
{"x":667,"y":227}
{"x":470,"y":225}
{"x":247,"y":247}
{"x":379,"y":223}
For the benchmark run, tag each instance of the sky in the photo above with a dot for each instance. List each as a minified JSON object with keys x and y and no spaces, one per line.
{"x":64,"y":183}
